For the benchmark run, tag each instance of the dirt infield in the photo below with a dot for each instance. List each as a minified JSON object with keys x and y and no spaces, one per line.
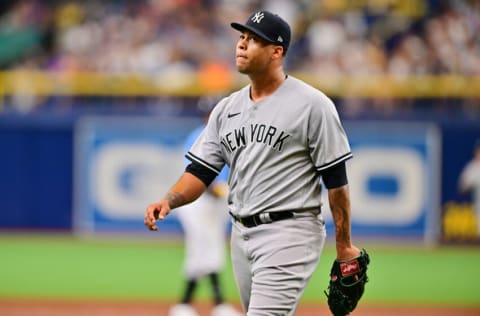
{"x":115,"y":308}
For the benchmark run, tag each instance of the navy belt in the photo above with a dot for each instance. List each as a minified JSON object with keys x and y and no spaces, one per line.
{"x":262,"y":218}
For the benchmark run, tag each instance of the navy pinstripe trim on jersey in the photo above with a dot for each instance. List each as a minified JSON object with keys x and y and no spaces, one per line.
{"x":192,"y":157}
{"x":334,"y":162}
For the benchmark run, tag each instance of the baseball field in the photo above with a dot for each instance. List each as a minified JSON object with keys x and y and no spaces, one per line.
{"x":55,"y":274}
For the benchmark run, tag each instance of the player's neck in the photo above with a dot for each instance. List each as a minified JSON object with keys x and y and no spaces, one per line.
{"x":264,"y":85}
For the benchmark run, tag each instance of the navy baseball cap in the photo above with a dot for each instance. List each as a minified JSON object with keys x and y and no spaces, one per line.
{"x":268,"y":26}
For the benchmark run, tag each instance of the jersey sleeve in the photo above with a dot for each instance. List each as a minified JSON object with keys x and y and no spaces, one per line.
{"x":328,"y":142}
{"x":206,"y":149}
{"x":190,"y":140}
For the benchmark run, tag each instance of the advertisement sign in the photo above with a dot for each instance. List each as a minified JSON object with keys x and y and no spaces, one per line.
{"x":393,"y":180}
{"x":460,"y":220}
{"x":123,"y":164}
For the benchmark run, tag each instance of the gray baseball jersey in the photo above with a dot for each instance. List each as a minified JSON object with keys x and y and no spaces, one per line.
{"x":273,"y":147}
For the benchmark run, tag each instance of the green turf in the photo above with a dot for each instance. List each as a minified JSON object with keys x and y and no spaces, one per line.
{"x":38,"y":266}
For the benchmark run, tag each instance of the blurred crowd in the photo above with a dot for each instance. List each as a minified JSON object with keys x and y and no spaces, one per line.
{"x":393,"y":37}
{"x":176,"y":37}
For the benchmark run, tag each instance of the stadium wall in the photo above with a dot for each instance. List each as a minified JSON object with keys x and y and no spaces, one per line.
{"x":40,"y":188}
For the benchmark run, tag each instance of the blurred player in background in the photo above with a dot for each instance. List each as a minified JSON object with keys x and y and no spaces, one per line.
{"x":470,"y":181}
{"x":204,"y":224}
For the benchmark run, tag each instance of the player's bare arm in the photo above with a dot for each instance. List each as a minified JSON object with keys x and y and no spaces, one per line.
{"x":187,"y":189}
{"x":339,"y":199}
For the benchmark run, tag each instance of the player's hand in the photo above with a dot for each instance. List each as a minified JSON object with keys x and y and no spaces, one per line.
{"x":347,"y":252}
{"x":156,"y":211}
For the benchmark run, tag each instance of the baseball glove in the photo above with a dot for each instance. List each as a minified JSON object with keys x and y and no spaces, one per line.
{"x":347,"y":283}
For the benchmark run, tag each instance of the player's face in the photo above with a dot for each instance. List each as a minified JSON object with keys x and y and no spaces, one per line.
{"x":253,"y":54}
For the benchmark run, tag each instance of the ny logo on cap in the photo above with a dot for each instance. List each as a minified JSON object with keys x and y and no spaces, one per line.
{"x":257,"y":18}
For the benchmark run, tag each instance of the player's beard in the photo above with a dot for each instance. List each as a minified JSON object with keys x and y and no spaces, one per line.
{"x":243,"y":70}
{"x":251,"y":66}
{"x":243,"y":66}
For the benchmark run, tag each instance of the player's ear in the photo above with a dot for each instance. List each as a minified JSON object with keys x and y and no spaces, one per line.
{"x":277,"y":52}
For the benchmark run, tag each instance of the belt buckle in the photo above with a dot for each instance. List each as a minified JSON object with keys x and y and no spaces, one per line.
{"x":265,"y":218}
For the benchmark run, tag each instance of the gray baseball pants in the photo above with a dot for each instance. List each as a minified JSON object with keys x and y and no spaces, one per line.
{"x":273,"y":262}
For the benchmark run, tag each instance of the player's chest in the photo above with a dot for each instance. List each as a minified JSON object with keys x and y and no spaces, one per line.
{"x":260,"y":127}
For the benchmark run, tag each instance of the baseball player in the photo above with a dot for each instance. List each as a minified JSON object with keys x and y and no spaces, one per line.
{"x":204,"y":222}
{"x":280,"y":137}
{"x":469,"y":181}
